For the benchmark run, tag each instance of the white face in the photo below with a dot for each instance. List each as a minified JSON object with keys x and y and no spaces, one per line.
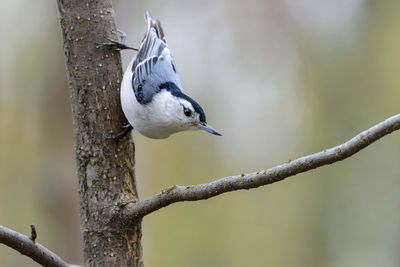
{"x":187,"y":116}
{"x":192,"y":119}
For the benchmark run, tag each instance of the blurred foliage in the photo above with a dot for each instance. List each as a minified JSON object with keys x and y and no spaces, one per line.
{"x":279,"y":79}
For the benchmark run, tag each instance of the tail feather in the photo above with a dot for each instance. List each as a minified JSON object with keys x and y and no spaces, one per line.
{"x":155,"y":24}
{"x":148,"y":18}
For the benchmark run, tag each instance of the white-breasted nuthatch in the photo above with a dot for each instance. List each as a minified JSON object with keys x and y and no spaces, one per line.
{"x":151,"y":92}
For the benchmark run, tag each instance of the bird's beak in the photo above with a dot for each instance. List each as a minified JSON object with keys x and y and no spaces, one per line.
{"x":208,"y":128}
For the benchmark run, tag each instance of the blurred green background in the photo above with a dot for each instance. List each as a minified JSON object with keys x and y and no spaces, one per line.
{"x":280,"y":79}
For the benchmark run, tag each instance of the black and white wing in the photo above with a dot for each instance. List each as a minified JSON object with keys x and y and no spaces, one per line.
{"x":153,"y":65}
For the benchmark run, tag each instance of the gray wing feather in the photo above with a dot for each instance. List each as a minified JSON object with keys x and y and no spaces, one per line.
{"x":153,"y":64}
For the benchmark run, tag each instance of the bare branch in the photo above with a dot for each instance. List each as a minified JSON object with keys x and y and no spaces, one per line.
{"x":28,"y":247}
{"x":256,"y":179}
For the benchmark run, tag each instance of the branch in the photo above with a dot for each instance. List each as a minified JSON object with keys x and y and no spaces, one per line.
{"x":178,"y":193}
{"x":33,"y":250}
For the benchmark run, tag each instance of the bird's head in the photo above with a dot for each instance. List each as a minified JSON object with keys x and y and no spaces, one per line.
{"x":192,"y":115}
{"x":172,"y":111}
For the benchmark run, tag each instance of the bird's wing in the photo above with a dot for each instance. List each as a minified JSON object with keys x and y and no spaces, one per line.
{"x":153,"y":65}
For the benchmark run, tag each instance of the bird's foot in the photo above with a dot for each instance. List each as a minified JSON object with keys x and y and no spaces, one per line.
{"x":121,"y":135}
{"x":115,"y":45}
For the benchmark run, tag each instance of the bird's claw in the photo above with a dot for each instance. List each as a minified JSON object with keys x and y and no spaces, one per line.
{"x":121,"y":135}
{"x":127,"y":126}
{"x":115,"y":45}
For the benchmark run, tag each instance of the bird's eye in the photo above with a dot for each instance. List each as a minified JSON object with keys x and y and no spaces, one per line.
{"x":187,"y":112}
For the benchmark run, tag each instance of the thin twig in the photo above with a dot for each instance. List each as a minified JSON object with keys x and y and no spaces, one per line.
{"x":33,"y":250}
{"x":256,"y":179}
{"x":33,"y":233}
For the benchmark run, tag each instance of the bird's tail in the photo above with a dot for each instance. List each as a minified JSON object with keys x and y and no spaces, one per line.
{"x":155,"y":24}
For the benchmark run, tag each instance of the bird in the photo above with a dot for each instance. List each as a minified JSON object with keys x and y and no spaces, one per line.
{"x":151,"y":92}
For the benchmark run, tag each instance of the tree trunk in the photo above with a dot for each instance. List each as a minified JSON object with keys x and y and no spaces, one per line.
{"x":105,"y":168}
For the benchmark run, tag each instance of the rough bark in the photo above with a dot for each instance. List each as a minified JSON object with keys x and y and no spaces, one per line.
{"x":105,"y":168}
